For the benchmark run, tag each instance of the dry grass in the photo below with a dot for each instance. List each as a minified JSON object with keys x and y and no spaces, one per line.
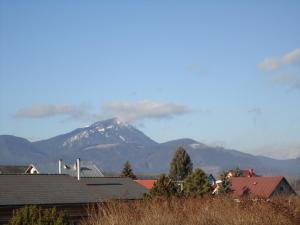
{"x":205,"y":211}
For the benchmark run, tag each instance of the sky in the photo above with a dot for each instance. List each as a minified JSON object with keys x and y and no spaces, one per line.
{"x":225,"y":73}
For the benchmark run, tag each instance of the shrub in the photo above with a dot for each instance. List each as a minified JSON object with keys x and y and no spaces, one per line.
{"x":164,"y":187}
{"x":33,"y":215}
{"x":196,"y":184}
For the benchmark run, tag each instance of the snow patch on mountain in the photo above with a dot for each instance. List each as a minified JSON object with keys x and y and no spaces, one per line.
{"x":104,"y":146}
{"x":100,"y":129}
{"x":195,"y":146}
{"x":76,"y":138}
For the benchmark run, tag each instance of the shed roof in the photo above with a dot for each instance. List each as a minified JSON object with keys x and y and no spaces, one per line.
{"x":44,"y":189}
{"x":8,"y":169}
{"x":255,"y":186}
{"x":115,"y":187}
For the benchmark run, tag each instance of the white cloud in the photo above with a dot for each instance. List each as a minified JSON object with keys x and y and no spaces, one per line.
{"x":292,"y":57}
{"x":52,"y":110}
{"x":128,"y":111}
{"x":289,"y":75}
{"x":270,"y":64}
{"x":132,"y":111}
{"x":288,"y":79}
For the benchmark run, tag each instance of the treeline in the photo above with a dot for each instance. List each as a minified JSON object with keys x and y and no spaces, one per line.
{"x":183,"y":180}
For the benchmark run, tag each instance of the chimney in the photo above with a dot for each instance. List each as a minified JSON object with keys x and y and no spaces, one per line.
{"x":251,"y":171}
{"x":78,"y":168}
{"x":59,"y":166}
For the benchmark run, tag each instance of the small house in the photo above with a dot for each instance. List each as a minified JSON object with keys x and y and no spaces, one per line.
{"x":244,"y":173}
{"x":264,"y":187}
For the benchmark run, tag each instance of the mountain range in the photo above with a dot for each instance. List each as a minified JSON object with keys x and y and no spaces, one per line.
{"x":111,"y":142}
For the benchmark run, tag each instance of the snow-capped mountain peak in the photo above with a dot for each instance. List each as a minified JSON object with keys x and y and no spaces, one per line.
{"x":111,"y":131}
{"x":110,"y":123}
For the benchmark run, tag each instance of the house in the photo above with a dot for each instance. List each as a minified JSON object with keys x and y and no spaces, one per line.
{"x":264,"y":187}
{"x":244,"y":173}
{"x":65,"y":192}
{"x":211,"y":180}
{"x":217,"y":187}
{"x":249,"y":173}
{"x":146,"y":183}
{"x":8,"y":169}
{"x":87,"y":168}
{"x":150,"y":183}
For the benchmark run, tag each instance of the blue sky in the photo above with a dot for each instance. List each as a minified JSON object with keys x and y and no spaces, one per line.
{"x":221,"y":72}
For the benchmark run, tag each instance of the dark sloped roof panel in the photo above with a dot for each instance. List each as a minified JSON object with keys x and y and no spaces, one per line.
{"x":115,"y":187}
{"x":12,"y":169}
{"x":44,"y":189}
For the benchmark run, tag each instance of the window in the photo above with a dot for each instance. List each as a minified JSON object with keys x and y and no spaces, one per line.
{"x":281,"y":189}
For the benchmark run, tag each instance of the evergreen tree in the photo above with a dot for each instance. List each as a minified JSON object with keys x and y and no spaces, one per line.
{"x":127,"y":171}
{"x":237,"y":172}
{"x":226,"y":184}
{"x":181,"y":165}
{"x":164,"y":187}
{"x":196,"y":184}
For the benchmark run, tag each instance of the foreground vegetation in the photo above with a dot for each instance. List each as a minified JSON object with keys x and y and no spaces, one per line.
{"x":34,"y":215}
{"x":197,"y":211}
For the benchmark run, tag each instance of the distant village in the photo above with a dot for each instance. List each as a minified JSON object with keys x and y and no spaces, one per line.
{"x":74,"y":186}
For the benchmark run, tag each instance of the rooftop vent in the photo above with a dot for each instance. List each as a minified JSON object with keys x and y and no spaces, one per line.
{"x":78,"y":168}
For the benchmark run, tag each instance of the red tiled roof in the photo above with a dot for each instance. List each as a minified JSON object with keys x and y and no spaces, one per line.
{"x":246,"y":173}
{"x":146,"y":183}
{"x":249,"y":173}
{"x":255,"y":186}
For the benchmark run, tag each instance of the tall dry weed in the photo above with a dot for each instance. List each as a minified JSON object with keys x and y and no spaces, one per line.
{"x":197,"y":211}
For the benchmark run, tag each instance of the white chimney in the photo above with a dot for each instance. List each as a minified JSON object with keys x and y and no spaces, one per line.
{"x":59,"y":166}
{"x":78,"y":168}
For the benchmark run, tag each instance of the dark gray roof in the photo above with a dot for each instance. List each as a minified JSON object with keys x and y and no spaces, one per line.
{"x":115,"y":187}
{"x":87,"y":168}
{"x":64,"y":189}
{"x":43,"y":189}
{"x":12,"y":169}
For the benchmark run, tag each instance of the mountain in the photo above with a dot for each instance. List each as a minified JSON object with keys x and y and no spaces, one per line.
{"x":111,"y":142}
{"x":16,"y":150}
{"x":217,"y":158}
{"x":101,"y":135}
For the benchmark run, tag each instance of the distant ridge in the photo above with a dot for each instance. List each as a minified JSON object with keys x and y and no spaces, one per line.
{"x":110,"y":143}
